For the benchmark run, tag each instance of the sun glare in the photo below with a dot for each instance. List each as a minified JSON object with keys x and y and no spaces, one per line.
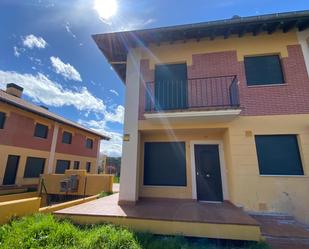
{"x":106,"y":8}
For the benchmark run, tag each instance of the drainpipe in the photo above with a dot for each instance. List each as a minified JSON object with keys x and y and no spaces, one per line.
{"x":98,"y":157}
{"x":53,"y":149}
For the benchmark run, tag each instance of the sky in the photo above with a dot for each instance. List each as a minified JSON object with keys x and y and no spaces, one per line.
{"x":46,"y":47}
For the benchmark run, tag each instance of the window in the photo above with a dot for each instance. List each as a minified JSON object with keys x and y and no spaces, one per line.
{"x":89,"y":143}
{"x":66,"y":137}
{"x":76,"y":165}
{"x":170,"y":86}
{"x":278,"y":155}
{"x":61,"y":166}
{"x":165,"y":164}
{"x":34,"y":167}
{"x":41,"y":130}
{"x":2,"y":119}
{"x":263,"y":70}
{"x":88,"y":166}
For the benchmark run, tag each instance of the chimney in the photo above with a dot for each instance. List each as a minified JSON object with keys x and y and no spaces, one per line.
{"x":14,"y":90}
{"x":45,"y":107}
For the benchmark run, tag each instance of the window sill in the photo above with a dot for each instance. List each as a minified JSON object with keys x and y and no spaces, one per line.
{"x":286,"y":176}
{"x":267,"y":85}
{"x":45,"y":138}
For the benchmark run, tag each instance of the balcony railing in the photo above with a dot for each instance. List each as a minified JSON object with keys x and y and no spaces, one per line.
{"x":196,"y":93}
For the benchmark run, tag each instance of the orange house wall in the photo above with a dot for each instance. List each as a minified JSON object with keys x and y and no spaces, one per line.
{"x":77,"y":147}
{"x":19,"y":131}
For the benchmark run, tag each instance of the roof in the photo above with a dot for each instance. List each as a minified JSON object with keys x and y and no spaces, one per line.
{"x":115,"y":45}
{"x":41,"y":111}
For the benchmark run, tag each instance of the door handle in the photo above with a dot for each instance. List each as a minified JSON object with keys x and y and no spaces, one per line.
{"x":207,"y":175}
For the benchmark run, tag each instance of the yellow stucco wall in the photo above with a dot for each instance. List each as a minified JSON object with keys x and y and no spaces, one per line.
{"x":18,"y":208}
{"x":246,"y":188}
{"x":82,"y":161}
{"x":89,"y":184}
{"x":244,"y":46}
{"x":14,"y":197}
{"x":24,"y":153}
{"x":165,"y":227}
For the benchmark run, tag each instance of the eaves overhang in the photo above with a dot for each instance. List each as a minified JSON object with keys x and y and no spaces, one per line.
{"x":115,"y":45}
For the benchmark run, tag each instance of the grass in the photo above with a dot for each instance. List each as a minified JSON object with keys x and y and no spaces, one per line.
{"x":45,"y":231}
{"x":103,"y":194}
{"x":116,"y":179}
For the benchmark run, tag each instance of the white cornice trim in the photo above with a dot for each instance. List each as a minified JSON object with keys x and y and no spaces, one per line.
{"x":190,"y":114}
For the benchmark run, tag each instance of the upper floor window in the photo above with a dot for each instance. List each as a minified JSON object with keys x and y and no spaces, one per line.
{"x":66,"y":137}
{"x":2,"y":119}
{"x":89,"y":143}
{"x":170,"y":86}
{"x":34,"y":167}
{"x":278,"y":155}
{"x":41,"y":130}
{"x":263,"y":70}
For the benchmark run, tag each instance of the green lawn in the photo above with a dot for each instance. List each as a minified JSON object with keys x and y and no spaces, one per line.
{"x":45,"y":231}
{"x":116,"y":179}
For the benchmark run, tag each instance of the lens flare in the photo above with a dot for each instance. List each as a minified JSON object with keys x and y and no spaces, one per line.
{"x":106,"y":8}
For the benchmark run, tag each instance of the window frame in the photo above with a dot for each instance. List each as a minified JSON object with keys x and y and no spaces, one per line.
{"x":69,"y":164}
{"x":86,"y":143}
{"x":3,"y":120}
{"x":35,"y":130}
{"x":74,"y":164}
{"x":63,"y":137}
{"x":88,"y":164}
{"x":298,"y":154}
{"x":27,"y":166}
{"x":265,"y":84}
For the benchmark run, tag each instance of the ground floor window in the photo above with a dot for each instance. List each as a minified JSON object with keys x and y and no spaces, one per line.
{"x":165,"y":164}
{"x":76,"y":165}
{"x":34,"y":167}
{"x":88,"y":166}
{"x":61,"y":166}
{"x":278,"y":155}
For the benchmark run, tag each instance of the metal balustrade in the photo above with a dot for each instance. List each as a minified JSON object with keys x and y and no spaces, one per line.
{"x":195,"y":93}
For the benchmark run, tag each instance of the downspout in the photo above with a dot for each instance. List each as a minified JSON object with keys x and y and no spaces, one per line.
{"x":53,"y":149}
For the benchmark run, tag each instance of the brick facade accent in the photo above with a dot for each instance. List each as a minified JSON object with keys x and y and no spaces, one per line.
{"x":77,"y":147}
{"x":289,"y":98}
{"x":19,"y":131}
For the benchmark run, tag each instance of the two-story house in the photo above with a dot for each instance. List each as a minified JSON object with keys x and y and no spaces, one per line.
{"x":216,"y":118}
{"x":34,"y":141}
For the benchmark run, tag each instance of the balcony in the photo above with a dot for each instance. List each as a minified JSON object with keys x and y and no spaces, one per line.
{"x":215,"y":98}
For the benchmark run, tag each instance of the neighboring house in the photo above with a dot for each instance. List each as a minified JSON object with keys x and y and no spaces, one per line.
{"x":217,"y":111}
{"x":34,"y":141}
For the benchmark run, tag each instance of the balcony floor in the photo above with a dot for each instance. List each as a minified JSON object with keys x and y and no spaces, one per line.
{"x":169,"y":216}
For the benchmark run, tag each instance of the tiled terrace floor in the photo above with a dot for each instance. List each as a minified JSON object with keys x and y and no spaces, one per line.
{"x":170,"y":216}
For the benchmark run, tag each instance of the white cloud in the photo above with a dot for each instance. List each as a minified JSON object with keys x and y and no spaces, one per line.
{"x":41,"y":89}
{"x":66,"y":70}
{"x":32,"y":41}
{"x":116,"y":116}
{"x":135,"y":24}
{"x":68,"y":29}
{"x":114,"y":92}
{"x":113,"y":147}
{"x":16,"y":51}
